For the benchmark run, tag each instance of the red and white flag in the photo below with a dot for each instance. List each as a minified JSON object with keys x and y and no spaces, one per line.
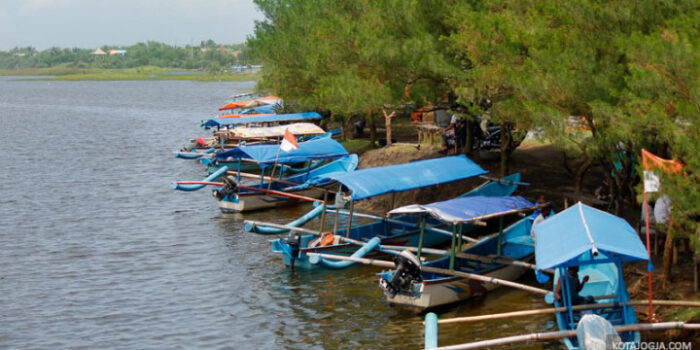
{"x":653,"y":163}
{"x":289,"y":142}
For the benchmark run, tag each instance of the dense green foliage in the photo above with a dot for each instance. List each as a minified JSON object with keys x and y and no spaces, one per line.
{"x":208,"y":56}
{"x":630,"y":68}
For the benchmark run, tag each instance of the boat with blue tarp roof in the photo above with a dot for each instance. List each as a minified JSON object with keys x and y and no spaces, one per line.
{"x":584,"y":241}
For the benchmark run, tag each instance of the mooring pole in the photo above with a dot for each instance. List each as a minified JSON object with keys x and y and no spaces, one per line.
{"x":323,"y":213}
{"x":352,"y":206}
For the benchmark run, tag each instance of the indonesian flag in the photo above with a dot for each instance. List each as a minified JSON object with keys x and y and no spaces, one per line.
{"x":289,"y":142}
{"x":651,"y":162}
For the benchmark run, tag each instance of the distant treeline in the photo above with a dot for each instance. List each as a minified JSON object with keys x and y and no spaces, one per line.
{"x":208,"y":55}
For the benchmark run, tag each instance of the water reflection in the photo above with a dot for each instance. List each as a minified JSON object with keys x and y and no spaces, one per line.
{"x":99,"y":252}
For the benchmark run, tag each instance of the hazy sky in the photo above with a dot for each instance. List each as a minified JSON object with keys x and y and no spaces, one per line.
{"x":92,"y":23}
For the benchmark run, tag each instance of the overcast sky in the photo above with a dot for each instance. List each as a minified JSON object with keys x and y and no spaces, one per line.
{"x":92,"y":23}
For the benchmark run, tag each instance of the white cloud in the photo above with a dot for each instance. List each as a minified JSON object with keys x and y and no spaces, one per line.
{"x":36,"y":5}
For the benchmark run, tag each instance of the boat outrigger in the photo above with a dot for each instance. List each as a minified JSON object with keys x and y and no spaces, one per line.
{"x":233,"y":196}
{"x":503,"y":255}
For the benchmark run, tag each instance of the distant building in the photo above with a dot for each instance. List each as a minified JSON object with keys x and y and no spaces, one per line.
{"x":117,"y":52}
{"x":246,"y":69}
{"x":98,"y":51}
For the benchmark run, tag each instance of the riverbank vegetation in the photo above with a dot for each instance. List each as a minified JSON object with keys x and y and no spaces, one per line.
{"x":142,"y":61}
{"x":602,"y":80}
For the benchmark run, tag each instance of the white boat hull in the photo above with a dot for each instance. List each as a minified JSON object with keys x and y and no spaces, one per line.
{"x":263,"y":201}
{"x":451,"y":290}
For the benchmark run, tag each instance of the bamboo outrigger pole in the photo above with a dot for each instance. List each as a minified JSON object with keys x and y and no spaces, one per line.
{"x":552,"y":310}
{"x":389,"y":264}
{"x":564,"y":334}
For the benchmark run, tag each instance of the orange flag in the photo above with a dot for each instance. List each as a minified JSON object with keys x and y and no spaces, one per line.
{"x":651,"y":162}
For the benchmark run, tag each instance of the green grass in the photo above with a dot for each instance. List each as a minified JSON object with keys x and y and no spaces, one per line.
{"x":140,"y":73}
{"x":358,"y":146}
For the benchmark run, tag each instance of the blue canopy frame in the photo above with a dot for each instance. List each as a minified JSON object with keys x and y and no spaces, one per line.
{"x":466,"y":209}
{"x":293,"y":117}
{"x":264,"y":155}
{"x":371,"y":182}
{"x":576,"y":235}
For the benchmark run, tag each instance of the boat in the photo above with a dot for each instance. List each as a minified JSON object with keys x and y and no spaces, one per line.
{"x":261,"y":120}
{"x":597,"y":243}
{"x":291,"y":190}
{"x":251,"y":102}
{"x":243,"y":135}
{"x":234,"y":196}
{"x":504,"y":186}
{"x":500,"y":255}
{"x":401,"y":230}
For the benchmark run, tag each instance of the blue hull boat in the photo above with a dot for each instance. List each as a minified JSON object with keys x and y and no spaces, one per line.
{"x":583,"y":241}
{"x":402,"y":230}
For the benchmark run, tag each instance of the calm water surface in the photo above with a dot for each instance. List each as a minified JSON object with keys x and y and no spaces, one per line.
{"x":97,"y":251}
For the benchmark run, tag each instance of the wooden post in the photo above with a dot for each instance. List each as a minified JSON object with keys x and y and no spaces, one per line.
{"x":337,"y":213}
{"x":352,"y":205}
{"x":422,"y":232}
{"x":452,"y":249}
{"x":459,"y":237}
{"x":500,"y":235}
{"x":323,"y":213}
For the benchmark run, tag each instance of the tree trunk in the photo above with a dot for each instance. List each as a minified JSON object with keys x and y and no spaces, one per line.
{"x":668,"y":252}
{"x":469,"y":142}
{"x":505,"y":149}
{"x":387,"y":119}
{"x":349,"y":129}
{"x":373,"y":130}
{"x":580,"y":174}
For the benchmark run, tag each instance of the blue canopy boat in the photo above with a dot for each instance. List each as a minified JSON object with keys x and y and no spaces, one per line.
{"x":266,"y":120}
{"x":269,"y":192}
{"x":598,"y":243}
{"x":402,"y":230}
{"x":503,"y":255}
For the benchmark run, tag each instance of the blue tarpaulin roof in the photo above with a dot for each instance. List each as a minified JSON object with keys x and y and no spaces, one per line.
{"x":464,"y":209}
{"x":582,"y":231}
{"x":321,"y":148}
{"x":293,"y":117}
{"x":365,"y":183}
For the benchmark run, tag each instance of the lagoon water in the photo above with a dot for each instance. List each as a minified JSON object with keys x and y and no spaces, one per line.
{"x":97,"y":251}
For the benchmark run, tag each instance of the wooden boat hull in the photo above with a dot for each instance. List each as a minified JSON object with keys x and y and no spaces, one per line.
{"x":250,"y":202}
{"x":438,"y":290}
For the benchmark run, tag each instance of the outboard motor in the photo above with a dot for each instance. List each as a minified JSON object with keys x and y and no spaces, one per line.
{"x":294,"y":241}
{"x":230,"y":187}
{"x":407,"y":272}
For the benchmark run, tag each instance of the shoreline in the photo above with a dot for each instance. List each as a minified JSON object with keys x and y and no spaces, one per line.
{"x":147,"y":73}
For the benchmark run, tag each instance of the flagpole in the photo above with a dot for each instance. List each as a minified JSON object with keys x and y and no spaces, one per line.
{"x":646,"y":219}
{"x":272,"y":174}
